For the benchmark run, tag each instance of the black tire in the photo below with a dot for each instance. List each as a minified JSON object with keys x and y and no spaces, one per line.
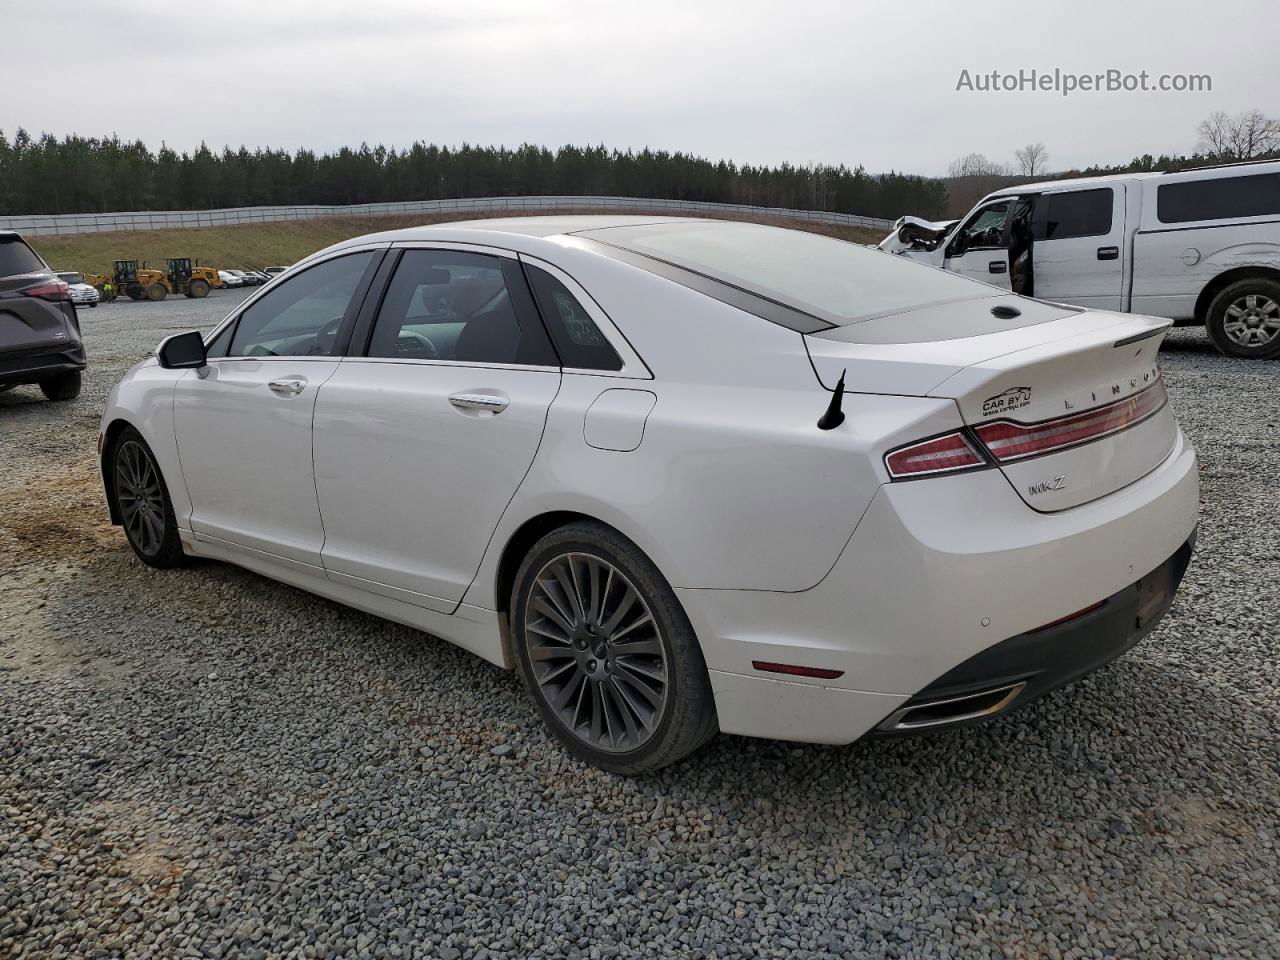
{"x":62,"y":386}
{"x":157,"y":292}
{"x":1245,"y":311}
{"x":142,"y":498}
{"x":199,"y":289}
{"x":684,"y":719}
{"x":135,"y":291}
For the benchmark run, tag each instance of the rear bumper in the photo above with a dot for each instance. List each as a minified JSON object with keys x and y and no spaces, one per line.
{"x":1017,"y":671}
{"x":30,"y":366}
{"x":939,"y":575}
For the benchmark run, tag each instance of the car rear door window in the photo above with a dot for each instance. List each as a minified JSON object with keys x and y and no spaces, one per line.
{"x":1079,"y":213}
{"x":578,"y":340}
{"x":1219,"y":198}
{"x":17,"y":258}
{"x":301,"y":316}
{"x":459,"y":306}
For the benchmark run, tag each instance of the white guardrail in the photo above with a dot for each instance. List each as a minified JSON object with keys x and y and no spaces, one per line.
{"x":70,"y":223}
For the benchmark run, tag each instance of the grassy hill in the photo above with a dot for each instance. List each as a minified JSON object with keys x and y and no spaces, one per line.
{"x":269,"y":244}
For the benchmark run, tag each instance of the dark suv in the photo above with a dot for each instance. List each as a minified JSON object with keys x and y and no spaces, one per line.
{"x":39,"y":332}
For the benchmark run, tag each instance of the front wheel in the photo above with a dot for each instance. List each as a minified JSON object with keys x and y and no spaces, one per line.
{"x":607,"y":652}
{"x":145,"y":511}
{"x":1244,"y":319}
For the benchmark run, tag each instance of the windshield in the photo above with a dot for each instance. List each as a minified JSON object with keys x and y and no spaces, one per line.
{"x":71,"y":277}
{"x":837,"y":281}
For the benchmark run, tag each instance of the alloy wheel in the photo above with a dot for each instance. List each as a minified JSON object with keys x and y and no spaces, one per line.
{"x":1252,"y":320}
{"x":140,"y":497}
{"x":596,"y":652}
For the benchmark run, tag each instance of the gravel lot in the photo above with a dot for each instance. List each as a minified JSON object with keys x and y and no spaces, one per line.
{"x":207,"y":763}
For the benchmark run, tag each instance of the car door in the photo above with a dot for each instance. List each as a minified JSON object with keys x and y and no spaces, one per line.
{"x":243,"y":422}
{"x":1079,"y":252}
{"x":979,"y":248}
{"x":421,"y":443}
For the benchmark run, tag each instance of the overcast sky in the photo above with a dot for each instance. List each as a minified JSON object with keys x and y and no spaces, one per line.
{"x":854,"y":82}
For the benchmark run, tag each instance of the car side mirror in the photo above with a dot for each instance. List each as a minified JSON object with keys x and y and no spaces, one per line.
{"x":182,"y":351}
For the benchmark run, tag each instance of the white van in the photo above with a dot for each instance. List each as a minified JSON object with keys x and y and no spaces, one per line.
{"x":1198,"y":246}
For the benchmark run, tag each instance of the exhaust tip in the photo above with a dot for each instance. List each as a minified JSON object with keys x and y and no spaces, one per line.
{"x":951,"y":710}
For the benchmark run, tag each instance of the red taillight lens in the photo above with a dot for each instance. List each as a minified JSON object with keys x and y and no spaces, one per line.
{"x":54,"y":290}
{"x":1012,"y":441}
{"x":939,"y":455}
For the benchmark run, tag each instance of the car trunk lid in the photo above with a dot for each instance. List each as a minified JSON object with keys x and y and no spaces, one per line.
{"x":1069,"y":403}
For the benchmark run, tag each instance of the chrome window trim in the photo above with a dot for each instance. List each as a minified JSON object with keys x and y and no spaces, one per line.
{"x":479,"y":248}
{"x":525,"y":367}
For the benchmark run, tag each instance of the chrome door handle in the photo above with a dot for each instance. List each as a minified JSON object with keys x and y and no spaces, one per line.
{"x":479,"y":401}
{"x":288,"y":387}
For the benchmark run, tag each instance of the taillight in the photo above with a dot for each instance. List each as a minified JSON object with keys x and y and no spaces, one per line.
{"x":54,"y":290}
{"x":1007,"y":441}
{"x":944,"y":454}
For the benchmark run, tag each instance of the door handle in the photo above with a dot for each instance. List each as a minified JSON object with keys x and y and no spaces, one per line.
{"x":1108,"y":253}
{"x":288,"y":386}
{"x":997,"y":266}
{"x":479,"y":401}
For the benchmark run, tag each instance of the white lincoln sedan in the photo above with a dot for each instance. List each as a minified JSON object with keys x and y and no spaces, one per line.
{"x":684,"y":475}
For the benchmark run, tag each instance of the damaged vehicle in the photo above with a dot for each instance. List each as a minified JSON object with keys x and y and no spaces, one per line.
{"x":1199,"y":247}
{"x":912,"y":237}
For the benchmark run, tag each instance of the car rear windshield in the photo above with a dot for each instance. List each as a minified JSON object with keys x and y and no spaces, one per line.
{"x":833,"y":280}
{"x":17,"y":258}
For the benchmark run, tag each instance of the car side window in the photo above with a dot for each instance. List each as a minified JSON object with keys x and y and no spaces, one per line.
{"x":985,"y":230}
{"x":578,"y":340}
{"x":216,"y":348}
{"x":301,"y":316}
{"x":459,"y":306}
{"x":1079,"y":213}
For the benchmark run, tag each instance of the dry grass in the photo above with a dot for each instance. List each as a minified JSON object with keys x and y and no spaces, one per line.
{"x":268,"y":244}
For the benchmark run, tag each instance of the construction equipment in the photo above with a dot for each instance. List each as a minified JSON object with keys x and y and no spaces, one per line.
{"x":138,"y":282}
{"x":142,"y":283}
{"x":124,"y":278}
{"x":190,"y":280}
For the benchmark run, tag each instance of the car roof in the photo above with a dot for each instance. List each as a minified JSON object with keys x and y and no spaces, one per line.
{"x":518,"y":226}
{"x":1245,"y":168}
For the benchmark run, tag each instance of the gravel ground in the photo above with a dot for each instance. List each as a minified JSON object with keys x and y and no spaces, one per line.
{"x":203,"y":763}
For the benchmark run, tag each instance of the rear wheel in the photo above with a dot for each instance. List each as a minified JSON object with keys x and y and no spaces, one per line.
{"x":156,"y":291}
{"x":607,"y":653}
{"x":1244,"y":319}
{"x":199,"y":289}
{"x":142,"y":498}
{"x":63,"y":386}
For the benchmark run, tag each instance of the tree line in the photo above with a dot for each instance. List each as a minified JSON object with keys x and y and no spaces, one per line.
{"x":78,"y":174}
